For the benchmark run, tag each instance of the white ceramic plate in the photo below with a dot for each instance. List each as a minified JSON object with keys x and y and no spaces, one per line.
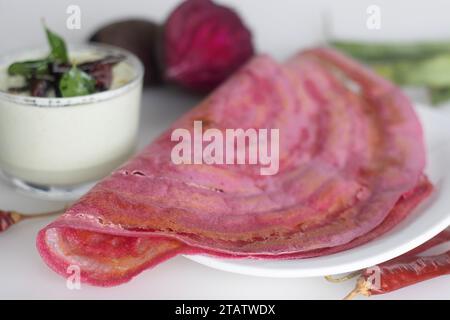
{"x":429,"y":219}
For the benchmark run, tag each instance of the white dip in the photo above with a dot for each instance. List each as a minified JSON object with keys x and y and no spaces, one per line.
{"x":70,"y":141}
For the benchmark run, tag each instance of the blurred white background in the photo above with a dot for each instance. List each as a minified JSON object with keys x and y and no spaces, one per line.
{"x":280,"y":26}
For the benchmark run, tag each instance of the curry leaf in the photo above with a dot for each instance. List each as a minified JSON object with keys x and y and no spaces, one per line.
{"x":28,"y":68}
{"x":57,"y":46}
{"x":76,"y":82}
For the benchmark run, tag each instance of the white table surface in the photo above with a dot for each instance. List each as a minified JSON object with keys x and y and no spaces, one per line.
{"x":24,"y":275}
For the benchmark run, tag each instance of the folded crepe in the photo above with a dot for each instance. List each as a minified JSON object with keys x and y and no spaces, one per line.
{"x":351,"y":161}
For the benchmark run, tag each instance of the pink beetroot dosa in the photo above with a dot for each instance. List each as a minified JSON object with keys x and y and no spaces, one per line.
{"x":351,"y":167}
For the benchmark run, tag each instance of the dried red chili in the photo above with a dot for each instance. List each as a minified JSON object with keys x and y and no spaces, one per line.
{"x":39,"y":87}
{"x":405,"y":270}
{"x":9,"y":218}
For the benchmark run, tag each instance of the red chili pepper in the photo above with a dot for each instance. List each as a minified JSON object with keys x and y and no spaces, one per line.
{"x":405,"y":270}
{"x":9,"y":218}
{"x":442,"y":237}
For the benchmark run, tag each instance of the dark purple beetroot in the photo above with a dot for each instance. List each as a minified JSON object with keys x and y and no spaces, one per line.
{"x":204,"y":43}
{"x":138,"y":37}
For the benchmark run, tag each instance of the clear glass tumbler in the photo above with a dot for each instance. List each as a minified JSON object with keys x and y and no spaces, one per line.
{"x":58,"y":147}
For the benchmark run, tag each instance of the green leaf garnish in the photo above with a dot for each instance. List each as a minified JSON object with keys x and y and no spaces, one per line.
{"x":29,"y":68}
{"x":76,"y":82}
{"x":57,"y":46}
